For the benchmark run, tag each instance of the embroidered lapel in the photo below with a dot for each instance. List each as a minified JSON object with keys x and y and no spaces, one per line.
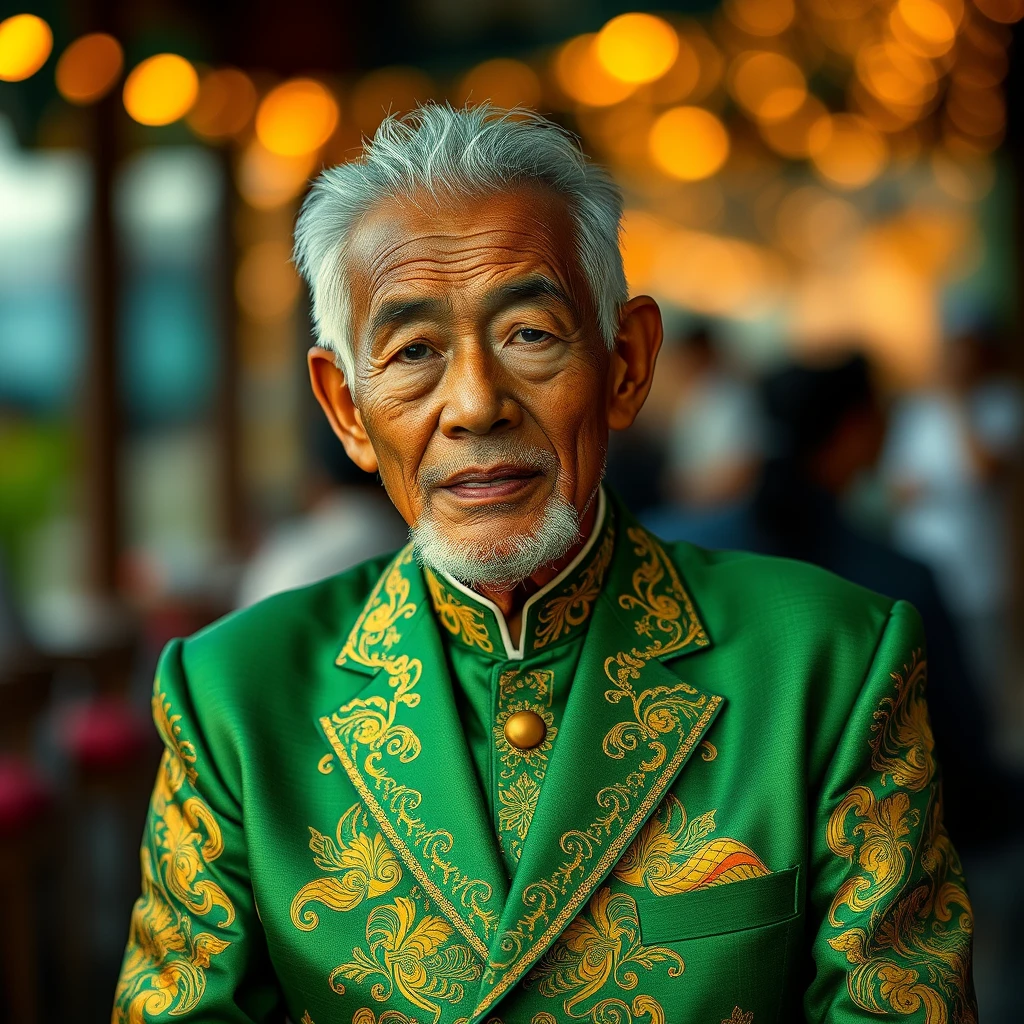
{"x":400,"y":741}
{"x":630,"y":726}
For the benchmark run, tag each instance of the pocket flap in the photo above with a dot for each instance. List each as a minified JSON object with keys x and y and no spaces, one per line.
{"x":731,"y":907}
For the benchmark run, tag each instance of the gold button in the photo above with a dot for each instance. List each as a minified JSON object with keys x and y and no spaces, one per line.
{"x":525,"y":730}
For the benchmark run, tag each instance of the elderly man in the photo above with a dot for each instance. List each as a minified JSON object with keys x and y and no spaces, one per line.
{"x":536,"y":767}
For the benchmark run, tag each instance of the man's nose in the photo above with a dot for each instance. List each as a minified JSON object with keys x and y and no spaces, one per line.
{"x":477,"y":399}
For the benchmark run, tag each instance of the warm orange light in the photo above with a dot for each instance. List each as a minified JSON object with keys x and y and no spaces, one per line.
{"x":623,"y":131}
{"x":161,"y":89}
{"x":846,"y":150}
{"x":266,"y":284}
{"x":637,"y":48}
{"x":761,"y":17}
{"x":815,"y":225}
{"x":928,"y":27}
{"x":790,"y":137}
{"x":89,"y":68}
{"x":964,"y":180}
{"x":1006,"y":12}
{"x":768,"y":85}
{"x":227,"y":99}
{"x":268,"y":180}
{"x":25,"y":43}
{"x":682,"y":79}
{"x":642,"y":236}
{"x":977,"y":112}
{"x":689,"y":143}
{"x":503,"y":82}
{"x":296,"y":117}
{"x":898,"y":79}
{"x":391,"y":90}
{"x":582,"y":77}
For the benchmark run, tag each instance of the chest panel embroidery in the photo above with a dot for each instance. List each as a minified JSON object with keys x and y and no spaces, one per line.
{"x":520,"y":773}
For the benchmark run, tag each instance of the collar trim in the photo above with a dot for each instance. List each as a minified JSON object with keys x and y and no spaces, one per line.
{"x":515,"y":652}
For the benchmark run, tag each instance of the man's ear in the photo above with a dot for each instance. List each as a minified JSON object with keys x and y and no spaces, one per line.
{"x":636,"y":348}
{"x":331,"y":391}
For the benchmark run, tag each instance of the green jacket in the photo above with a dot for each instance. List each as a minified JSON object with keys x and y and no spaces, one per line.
{"x":740,"y":822}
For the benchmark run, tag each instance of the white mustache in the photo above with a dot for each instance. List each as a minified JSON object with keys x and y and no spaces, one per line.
{"x":482,"y":451}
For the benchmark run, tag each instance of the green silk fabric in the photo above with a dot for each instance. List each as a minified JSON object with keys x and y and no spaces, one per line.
{"x":739,"y":818}
{"x":495,"y":676}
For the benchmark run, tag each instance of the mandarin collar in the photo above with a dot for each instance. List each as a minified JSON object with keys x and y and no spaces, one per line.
{"x":558,"y":612}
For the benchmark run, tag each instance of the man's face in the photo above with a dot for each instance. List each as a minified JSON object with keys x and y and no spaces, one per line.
{"x":481,"y":376}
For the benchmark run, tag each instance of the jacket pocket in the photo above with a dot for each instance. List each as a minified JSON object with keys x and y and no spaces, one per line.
{"x":732,"y":907}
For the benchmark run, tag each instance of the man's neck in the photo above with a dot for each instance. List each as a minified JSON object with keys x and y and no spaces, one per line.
{"x":511,"y":601}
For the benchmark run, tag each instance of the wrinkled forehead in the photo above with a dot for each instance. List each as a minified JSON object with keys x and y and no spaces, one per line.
{"x":458,"y":245}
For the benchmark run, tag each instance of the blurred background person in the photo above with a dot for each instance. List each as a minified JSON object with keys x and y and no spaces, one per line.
{"x":348,"y":519}
{"x":949,"y":464}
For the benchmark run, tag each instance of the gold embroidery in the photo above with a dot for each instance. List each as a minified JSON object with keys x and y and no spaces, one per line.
{"x":708,"y":751}
{"x":367,"y":868}
{"x":599,"y":946}
{"x":673,"y":855}
{"x":365,"y":1015}
{"x":571,"y":607}
{"x":518,"y":802}
{"x":913,"y":951}
{"x":739,"y":1017}
{"x":461,"y":620}
{"x":514,"y":758}
{"x":306,"y":1019}
{"x":543,"y":1017}
{"x":325,"y":765}
{"x":371,"y":723}
{"x":414,"y":958}
{"x":166,"y":962}
{"x":902,"y":746}
{"x":538,"y":681}
{"x":526,"y":767}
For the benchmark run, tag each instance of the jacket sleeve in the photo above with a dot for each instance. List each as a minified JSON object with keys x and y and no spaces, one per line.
{"x":196,"y":949}
{"x":886,"y":893}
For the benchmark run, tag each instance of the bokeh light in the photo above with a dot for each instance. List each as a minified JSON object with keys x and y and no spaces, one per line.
{"x":266,"y":284}
{"x":161,"y":89}
{"x":89,"y":68}
{"x":769,"y":86}
{"x":296,"y":117}
{"x":226,"y":103}
{"x":689,"y":143}
{"x":761,"y":17}
{"x":583,"y":78}
{"x":846,"y":150}
{"x":926,"y":26}
{"x":391,"y":90}
{"x":25,"y":43}
{"x":790,"y":137}
{"x":503,"y":82}
{"x":1005,"y":12}
{"x":900,"y":80}
{"x":637,"y":48}
{"x":268,"y":180}
{"x":681,"y":80}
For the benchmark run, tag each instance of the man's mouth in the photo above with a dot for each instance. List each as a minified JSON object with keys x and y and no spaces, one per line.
{"x":491,"y":482}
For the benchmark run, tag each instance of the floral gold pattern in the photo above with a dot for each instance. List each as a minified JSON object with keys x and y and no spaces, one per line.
{"x":362,"y":868}
{"x":739,"y":1017}
{"x":364,"y":1015}
{"x":909,"y":941}
{"x":461,"y":620}
{"x":167,"y":957}
{"x":674,"y":715}
{"x":672,"y":855}
{"x":571,"y":607}
{"x":600,"y":946}
{"x":412,"y":958}
{"x":369,"y":729}
{"x":523,"y":770}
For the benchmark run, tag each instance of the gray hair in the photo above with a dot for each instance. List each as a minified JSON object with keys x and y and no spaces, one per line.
{"x":473,"y":150}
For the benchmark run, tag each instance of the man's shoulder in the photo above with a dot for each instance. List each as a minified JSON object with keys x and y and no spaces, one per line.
{"x":288,"y":628}
{"x":780,"y":596}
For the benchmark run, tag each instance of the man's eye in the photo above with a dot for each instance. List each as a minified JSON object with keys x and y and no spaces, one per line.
{"x":415,"y":352}
{"x":532,"y":334}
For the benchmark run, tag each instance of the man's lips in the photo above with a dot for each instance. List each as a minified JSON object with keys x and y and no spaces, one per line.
{"x":483,"y":478}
